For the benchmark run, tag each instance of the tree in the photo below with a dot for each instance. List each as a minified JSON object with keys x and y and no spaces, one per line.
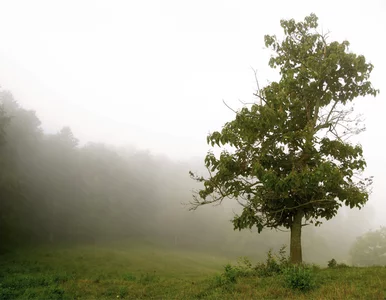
{"x":4,"y":121}
{"x":286,"y":158}
{"x":16,"y":160}
{"x":370,"y":248}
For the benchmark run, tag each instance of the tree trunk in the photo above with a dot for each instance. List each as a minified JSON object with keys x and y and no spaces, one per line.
{"x":296,"y":239}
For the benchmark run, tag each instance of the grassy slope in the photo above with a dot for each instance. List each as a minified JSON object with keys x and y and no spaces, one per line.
{"x":141,"y":270}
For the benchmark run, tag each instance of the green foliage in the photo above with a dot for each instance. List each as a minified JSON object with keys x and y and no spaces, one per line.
{"x":370,"y":248}
{"x":299,"y":277}
{"x":222,"y":282}
{"x":275,"y":263}
{"x":332,"y":263}
{"x":230,"y":273}
{"x":244,"y":266}
{"x":289,"y":157}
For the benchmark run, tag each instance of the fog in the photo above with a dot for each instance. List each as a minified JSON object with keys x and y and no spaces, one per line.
{"x":111,"y":103}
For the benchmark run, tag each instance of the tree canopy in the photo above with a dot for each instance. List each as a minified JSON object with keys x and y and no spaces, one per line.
{"x":286,"y":158}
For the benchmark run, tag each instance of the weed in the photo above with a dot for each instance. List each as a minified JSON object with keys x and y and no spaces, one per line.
{"x":230,"y":273}
{"x":223,"y":282}
{"x":244,"y":267}
{"x":299,"y":277}
{"x":274,"y":264}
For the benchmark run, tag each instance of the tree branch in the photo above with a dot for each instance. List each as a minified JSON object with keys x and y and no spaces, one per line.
{"x":301,"y":205}
{"x":229,"y":106}
{"x":258,"y":94}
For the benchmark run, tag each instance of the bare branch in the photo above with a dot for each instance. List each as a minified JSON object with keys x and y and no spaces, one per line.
{"x":258,"y":94}
{"x":262,"y":99}
{"x":246,"y":103}
{"x":229,"y":106}
{"x":257,"y":81}
{"x":242,"y":204}
{"x":332,"y":109}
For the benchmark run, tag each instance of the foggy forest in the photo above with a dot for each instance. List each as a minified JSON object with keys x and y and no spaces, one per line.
{"x":90,"y":212}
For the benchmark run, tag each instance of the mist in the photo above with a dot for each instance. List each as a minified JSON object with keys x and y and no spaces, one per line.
{"x":108,"y":106}
{"x":57,"y":192}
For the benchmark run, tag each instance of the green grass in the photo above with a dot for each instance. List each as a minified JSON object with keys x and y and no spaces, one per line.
{"x":143,"y":271}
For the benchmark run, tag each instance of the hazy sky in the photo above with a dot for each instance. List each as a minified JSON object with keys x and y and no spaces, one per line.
{"x":154,"y":73}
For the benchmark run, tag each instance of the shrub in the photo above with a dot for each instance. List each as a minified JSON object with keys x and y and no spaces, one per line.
{"x":275,"y":263}
{"x":299,"y":278}
{"x":332,"y":263}
{"x":230,"y":273}
{"x":224,"y":281}
{"x":342,"y":265}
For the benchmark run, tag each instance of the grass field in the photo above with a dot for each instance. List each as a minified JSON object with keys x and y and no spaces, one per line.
{"x":142,"y":270}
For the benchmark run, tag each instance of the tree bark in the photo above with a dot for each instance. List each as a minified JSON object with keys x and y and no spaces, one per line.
{"x":296,"y":239}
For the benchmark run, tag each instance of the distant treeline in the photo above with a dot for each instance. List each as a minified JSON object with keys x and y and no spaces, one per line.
{"x":53,"y":190}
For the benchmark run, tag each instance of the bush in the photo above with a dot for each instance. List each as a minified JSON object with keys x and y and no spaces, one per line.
{"x":342,"y":265}
{"x":222,"y":281}
{"x":332,"y":263}
{"x":230,"y":273}
{"x":299,"y":278}
{"x":275,"y":263}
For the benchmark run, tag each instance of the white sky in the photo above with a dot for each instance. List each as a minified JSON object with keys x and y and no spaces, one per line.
{"x":154,"y":73}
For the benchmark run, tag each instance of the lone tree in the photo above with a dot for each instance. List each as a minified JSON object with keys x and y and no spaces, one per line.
{"x":287,"y":160}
